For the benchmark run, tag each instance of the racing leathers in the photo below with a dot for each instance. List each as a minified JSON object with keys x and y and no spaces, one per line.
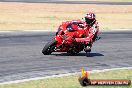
{"x":92,"y":33}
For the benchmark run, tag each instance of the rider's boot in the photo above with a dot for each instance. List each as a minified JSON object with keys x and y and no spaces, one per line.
{"x":87,"y":49}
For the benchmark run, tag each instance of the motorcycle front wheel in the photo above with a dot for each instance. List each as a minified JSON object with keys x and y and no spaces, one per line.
{"x":49,"y":47}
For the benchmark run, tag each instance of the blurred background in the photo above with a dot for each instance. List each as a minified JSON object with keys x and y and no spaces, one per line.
{"x":19,"y":15}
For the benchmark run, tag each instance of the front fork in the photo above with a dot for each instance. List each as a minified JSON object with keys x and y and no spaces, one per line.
{"x":60,"y":42}
{"x":59,"y":39}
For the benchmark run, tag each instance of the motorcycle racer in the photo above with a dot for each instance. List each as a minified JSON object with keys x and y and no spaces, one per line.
{"x":74,"y":36}
{"x":90,"y":25}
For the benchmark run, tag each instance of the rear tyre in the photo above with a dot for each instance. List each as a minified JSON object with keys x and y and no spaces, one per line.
{"x":49,"y":47}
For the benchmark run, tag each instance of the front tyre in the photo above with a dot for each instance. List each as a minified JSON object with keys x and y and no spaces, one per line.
{"x":49,"y":47}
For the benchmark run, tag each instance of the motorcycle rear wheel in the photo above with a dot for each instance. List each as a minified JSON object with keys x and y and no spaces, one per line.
{"x":49,"y":47}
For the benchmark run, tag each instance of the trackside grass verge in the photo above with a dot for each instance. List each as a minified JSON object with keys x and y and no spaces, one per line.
{"x":72,"y":81}
{"x":41,"y":16}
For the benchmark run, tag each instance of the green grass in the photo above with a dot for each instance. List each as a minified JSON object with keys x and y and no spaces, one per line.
{"x":72,"y":81}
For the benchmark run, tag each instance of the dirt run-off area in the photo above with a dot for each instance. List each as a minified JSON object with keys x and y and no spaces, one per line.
{"x":42,"y":16}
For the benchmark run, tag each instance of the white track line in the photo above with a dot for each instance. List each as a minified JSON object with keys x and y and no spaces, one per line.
{"x":61,"y":75}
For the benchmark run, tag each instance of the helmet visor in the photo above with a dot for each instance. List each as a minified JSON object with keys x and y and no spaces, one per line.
{"x":89,"y":21}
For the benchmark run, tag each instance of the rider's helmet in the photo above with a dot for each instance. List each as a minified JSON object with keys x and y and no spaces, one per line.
{"x":90,"y":18}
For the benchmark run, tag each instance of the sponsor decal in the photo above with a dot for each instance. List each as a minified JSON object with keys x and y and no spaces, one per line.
{"x":84,"y":80}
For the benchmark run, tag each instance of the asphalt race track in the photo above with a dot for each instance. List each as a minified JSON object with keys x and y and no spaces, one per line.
{"x":21,"y":57}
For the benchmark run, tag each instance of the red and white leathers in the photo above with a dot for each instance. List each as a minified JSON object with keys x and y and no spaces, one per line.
{"x":92,"y":32}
